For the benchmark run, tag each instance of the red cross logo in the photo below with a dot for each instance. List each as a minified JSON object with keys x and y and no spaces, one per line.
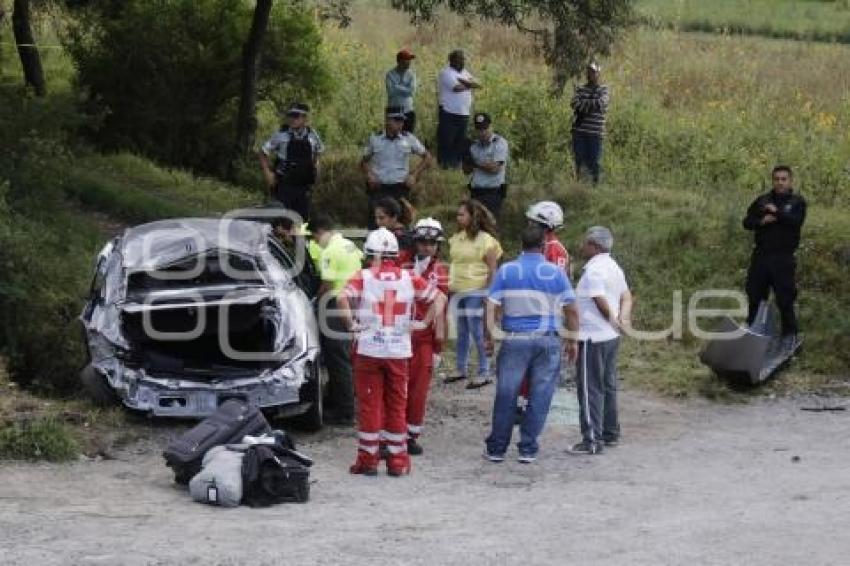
{"x":388,"y":308}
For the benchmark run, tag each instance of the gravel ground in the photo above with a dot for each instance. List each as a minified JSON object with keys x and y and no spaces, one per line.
{"x":691,"y":483}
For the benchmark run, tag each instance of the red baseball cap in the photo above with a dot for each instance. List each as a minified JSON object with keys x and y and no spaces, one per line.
{"x":405,"y":55}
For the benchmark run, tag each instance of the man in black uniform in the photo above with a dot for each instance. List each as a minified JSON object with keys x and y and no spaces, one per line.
{"x":295,"y":150}
{"x":776,"y":217}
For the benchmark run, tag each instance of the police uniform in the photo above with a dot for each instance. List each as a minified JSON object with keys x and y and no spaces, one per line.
{"x":295,"y":153}
{"x":488,"y":188}
{"x":773,"y":265}
{"x":389,"y":162}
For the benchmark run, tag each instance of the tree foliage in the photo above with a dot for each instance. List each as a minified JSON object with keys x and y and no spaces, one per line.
{"x":570,"y":31}
{"x":164,"y":75}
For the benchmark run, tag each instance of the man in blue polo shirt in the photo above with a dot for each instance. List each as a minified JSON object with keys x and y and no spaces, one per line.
{"x":532,"y":297}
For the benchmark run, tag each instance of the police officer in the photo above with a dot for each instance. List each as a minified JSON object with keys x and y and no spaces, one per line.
{"x":776,"y":218}
{"x":487,"y":160}
{"x":295,"y":151}
{"x":386,"y":162}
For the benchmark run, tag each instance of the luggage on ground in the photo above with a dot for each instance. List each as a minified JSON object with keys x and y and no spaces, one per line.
{"x":233,"y":420}
{"x":220,"y":480}
{"x":272,"y":473}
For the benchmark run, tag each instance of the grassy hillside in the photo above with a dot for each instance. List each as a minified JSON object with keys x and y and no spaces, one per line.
{"x":696,"y":123}
{"x":816,"y":20}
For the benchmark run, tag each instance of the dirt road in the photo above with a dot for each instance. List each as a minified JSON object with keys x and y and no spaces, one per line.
{"x":692,"y":483}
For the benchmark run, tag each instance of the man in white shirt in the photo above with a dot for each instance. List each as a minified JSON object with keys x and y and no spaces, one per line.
{"x":604,"y":307}
{"x":454,"y":88}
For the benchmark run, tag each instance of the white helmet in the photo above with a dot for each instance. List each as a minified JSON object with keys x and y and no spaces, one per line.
{"x":428,"y":229}
{"x":381,"y":242}
{"x":547,"y":213}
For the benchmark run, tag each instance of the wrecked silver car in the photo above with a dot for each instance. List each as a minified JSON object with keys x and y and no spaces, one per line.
{"x":185,"y":314}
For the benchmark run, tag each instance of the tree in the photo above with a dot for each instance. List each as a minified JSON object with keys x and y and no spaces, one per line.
{"x":27,"y":49}
{"x":569,"y":31}
{"x":166,"y":78}
{"x":246,"y":121}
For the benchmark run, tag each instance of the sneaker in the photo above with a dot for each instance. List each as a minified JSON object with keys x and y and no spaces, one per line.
{"x":585,"y":448}
{"x":414,"y":448}
{"x":611,"y":442}
{"x":454,"y":378}
{"x":526,"y":459}
{"x":495,"y":458}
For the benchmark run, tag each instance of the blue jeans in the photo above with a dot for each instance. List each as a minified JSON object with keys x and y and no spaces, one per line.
{"x":540,"y":359}
{"x":470,"y":321}
{"x":588,"y":154}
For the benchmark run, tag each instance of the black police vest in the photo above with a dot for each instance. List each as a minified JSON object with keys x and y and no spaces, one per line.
{"x":297,"y":168}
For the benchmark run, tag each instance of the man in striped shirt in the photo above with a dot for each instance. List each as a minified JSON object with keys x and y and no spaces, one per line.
{"x":590,"y":105}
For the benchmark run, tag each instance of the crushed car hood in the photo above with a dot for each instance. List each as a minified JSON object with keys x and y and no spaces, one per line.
{"x":165,"y":242}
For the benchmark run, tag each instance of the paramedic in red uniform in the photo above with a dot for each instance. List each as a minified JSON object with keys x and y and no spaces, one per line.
{"x":428,"y":342}
{"x":381,"y":298}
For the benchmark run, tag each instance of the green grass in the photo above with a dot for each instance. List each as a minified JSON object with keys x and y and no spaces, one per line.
{"x":41,"y":439}
{"x":814,"y":20}
{"x":695,"y":125}
{"x":134,"y":190}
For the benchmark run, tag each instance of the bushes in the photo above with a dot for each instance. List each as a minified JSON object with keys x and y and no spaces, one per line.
{"x":44,"y":271}
{"x":40,"y":439}
{"x":163,"y":75}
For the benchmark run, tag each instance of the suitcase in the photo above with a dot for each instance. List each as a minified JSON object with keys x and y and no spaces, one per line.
{"x":233,"y":420}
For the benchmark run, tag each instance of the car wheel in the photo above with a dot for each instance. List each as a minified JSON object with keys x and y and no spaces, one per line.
{"x":313,"y":419}
{"x":97,"y":388}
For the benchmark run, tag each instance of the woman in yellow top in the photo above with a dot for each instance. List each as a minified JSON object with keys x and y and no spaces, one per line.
{"x":474,"y":256}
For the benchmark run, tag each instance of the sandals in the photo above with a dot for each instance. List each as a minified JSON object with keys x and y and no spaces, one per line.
{"x":479,"y":384}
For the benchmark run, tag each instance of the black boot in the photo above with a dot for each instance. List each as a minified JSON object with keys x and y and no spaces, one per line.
{"x":414,"y":448}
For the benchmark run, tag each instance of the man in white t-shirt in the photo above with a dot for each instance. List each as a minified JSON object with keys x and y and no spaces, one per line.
{"x":604,"y":308}
{"x":454,"y":88}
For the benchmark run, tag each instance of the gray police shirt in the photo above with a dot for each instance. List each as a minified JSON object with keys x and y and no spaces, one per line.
{"x":389,"y":158}
{"x":495,"y":150}
{"x":278,"y":143}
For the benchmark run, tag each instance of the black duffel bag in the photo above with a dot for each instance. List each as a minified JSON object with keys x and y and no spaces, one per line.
{"x":273,"y":473}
